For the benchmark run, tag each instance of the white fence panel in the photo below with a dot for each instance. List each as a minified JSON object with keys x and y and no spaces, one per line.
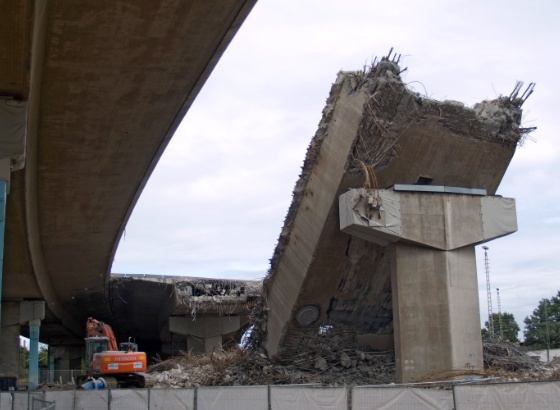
{"x":5,"y":401}
{"x":171,"y":399}
{"x":308,"y":398}
{"x":510,"y":396}
{"x":21,"y":401}
{"x":62,"y":399}
{"x":232,"y":398}
{"x":92,"y":400}
{"x":400,"y":398}
{"x":129,"y":399}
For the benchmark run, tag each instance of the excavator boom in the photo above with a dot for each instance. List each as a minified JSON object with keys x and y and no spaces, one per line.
{"x":97,"y":328}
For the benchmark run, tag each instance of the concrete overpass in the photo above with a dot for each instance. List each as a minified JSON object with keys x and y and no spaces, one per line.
{"x":106,"y":85}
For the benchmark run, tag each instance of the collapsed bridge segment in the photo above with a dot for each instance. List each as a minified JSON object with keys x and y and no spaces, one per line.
{"x":375,"y":133}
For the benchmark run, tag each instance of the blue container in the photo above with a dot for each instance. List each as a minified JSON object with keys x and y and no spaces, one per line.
{"x":95,"y":384}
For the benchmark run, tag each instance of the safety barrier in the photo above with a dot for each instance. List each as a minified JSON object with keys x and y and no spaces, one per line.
{"x":535,"y":395}
{"x":400,"y":398}
{"x":541,"y":395}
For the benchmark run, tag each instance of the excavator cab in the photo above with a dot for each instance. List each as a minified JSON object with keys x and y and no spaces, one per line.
{"x":94,"y":345}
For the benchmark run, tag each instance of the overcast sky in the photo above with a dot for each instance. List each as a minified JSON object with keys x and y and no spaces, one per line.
{"x":216,"y":202}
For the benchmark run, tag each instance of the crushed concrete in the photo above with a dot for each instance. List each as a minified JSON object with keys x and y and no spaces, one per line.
{"x":330,"y":359}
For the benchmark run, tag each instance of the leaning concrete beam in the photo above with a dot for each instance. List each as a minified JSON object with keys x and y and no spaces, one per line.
{"x":374,"y":133}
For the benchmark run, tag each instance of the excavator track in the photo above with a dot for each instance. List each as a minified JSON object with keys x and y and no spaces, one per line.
{"x":110,"y":382}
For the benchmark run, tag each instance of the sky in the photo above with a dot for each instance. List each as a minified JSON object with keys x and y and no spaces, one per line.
{"x":216,"y":202}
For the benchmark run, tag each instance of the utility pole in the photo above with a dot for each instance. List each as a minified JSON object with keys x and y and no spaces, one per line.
{"x":546,"y":302}
{"x":488,"y":292}
{"x":500,"y":314}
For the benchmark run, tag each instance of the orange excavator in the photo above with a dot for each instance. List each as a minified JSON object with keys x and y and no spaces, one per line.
{"x":118,"y":366}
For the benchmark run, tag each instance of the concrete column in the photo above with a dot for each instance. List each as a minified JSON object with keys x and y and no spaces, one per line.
{"x":4,"y":178}
{"x":204,"y":345}
{"x":51,"y":368}
{"x":204,"y":334}
{"x":431,"y":232}
{"x":34,"y":328}
{"x":436,"y":314}
{"x":9,"y":339}
{"x":32,"y":312}
{"x":67,"y":361}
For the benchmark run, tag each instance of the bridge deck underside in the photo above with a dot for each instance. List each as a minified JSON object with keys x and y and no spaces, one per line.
{"x":108,"y":84}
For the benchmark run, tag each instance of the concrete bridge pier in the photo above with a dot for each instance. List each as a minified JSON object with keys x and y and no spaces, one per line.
{"x":67,"y":362}
{"x":436,"y":316}
{"x":204,"y":333}
{"x":9,"y":339}
{"x":430,"y":233}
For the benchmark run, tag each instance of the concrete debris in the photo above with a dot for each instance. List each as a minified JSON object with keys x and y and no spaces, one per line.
{"x":345,"y":360}
{"x":506,"y":356}
{"x":217,"y":295}
{"x":320,"y":363}
{"x":199,"y":287}
{"x":238,"y":367}
{"x":349,"y":367}
{"x":56,"y":386}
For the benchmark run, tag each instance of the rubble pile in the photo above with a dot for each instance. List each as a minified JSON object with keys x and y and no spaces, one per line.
{"x":236,"y":368}
{"x":325,"y":356}
{"x":57,"y":386}
{"x":331,"y":358}
{"x":502,"y":355}
{"x":506,"y":359}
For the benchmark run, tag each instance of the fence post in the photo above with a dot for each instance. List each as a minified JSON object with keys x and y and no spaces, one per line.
{"x":269,"y":398}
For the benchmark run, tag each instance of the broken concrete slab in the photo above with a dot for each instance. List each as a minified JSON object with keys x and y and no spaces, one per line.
{"x":374,"y":133}
{"x":136,"y":297}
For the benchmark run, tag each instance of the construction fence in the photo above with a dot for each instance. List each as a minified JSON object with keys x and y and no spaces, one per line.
{"x":510,"y":396}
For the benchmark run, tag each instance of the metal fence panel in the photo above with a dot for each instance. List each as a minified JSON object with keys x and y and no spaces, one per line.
{"x":63,"y":399}
{"x":308,"y":398}
{"x":400,"y":398}
{"x":21,"y":401}
{"x":129,"y":399}
{"x":233,"y":398}
{"x":171,"y":399}
{"x":5,"y":401}
{"x":41,"y":404}
{"x":92,"y":400}
{"x":508,"y":396}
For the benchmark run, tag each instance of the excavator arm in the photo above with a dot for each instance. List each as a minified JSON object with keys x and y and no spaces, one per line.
{"x":97,"y":328}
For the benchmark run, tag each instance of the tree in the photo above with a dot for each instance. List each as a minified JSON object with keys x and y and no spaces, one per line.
{"x":510,"y":328}
{"x":24,"y":357}
{"x":542,"y":328}
{"x":43,"y":356}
